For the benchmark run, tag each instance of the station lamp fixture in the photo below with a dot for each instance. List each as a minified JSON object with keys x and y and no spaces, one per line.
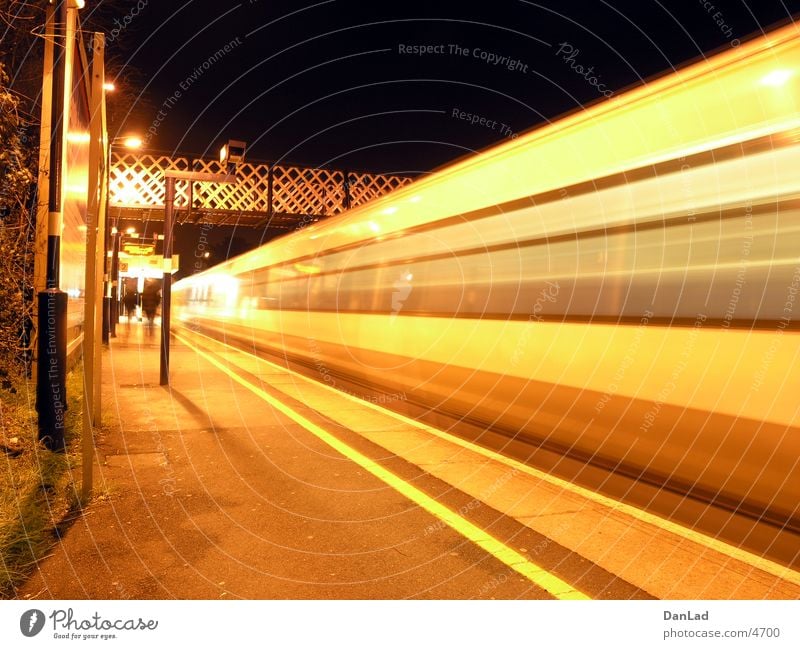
{"x":232,"y":154}
{"x":132,"y":142}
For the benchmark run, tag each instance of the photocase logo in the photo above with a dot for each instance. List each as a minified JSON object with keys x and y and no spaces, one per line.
{"x":31,"y":622}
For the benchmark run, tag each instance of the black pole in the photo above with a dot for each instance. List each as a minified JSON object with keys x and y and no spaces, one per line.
{"x":190,"y":203}
{"x":114,"y":314}
{"x":106,"y":248}
{"x":270,"y":178}
{"x":51,"y":393}
{"x":166,"y":287}
{"x":346,"y":190}
{"x":106,"y":318}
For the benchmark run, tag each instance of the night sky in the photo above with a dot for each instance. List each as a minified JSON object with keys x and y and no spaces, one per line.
{"x":339,"y":84}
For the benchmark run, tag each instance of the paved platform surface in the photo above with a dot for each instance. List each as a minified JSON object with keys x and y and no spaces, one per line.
{"x":205,"y":490}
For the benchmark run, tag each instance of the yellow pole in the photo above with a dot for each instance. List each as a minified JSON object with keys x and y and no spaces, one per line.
{"x":100,"y":263}
{"x":90,"y":330}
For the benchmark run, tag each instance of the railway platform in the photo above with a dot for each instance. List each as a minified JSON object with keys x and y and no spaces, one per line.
{"x":244,"y":479}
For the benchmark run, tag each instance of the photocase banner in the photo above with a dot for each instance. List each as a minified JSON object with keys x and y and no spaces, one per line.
{"x":399,"y":624}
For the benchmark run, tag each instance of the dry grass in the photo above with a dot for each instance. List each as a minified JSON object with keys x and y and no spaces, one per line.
{"x":37,"y":491}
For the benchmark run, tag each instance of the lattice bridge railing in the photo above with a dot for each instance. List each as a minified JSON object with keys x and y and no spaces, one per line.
{"x":277,"y":195}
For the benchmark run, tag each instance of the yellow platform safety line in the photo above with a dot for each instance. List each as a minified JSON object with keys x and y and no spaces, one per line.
{"x":513,"y":559}
{"x":770,"y":567}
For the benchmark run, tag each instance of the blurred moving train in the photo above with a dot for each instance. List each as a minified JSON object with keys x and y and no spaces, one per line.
{"x":620,"y":286}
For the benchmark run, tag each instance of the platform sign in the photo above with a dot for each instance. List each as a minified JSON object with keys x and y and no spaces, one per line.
{"x":138,"y":248}
{"x":149,"y":266}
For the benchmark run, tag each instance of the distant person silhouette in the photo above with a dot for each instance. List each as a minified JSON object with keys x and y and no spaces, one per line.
{"x":150,"y":300}
{"x":130,"y":305}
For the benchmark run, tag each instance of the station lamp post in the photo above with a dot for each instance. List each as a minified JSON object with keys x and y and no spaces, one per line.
{"x":111,"y":298}
{"x":230,"y":155}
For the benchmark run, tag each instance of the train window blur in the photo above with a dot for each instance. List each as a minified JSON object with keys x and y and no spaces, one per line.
{"x":622,"y":273}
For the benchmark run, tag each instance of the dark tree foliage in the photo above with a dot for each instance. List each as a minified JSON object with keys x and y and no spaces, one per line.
{"x":21,"y":51}
{"x":17,"y":166}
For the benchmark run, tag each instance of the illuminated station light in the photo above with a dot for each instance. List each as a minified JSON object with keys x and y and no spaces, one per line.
{"x":132,"y":142}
